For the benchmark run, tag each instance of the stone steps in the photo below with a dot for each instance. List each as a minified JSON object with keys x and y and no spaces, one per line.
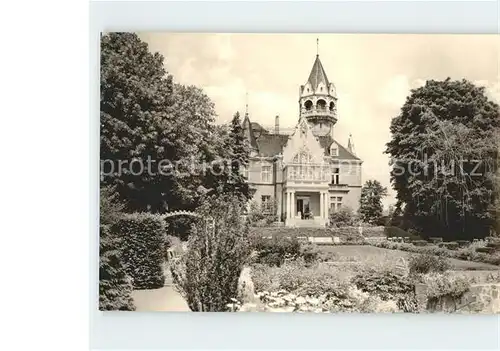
{"x":308,"y":223}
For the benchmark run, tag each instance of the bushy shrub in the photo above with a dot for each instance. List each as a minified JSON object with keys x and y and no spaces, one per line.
{"x":425,"y":263}
{"x":110,"y":205}
{"x":274,"y":251}
{"x":115,"y":286}
{"x":344,"y":217}
{"x":444,"y":291}
{"x":385,"y":283}
{"x":309,"y":253}
{"x":419,"y":243}
{"x":262,"y":216}
{"x":207,"y":275}
{"x":143,"y":237}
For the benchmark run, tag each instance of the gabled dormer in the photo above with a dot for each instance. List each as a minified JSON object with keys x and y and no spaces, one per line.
{"x":302,"y":146}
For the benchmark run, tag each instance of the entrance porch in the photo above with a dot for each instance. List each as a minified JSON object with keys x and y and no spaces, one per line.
{"x":306,"y":208}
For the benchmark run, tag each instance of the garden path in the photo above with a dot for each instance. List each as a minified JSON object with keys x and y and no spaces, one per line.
{"x":163,"y":299}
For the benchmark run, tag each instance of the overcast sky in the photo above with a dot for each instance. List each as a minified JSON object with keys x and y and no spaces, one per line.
{"x":372,"y":73}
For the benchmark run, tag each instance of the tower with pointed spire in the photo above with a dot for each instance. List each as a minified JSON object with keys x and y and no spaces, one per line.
{"x":318,"y":101}
{"x":307,"y":174}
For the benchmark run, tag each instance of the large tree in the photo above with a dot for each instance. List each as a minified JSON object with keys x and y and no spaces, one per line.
{"x":444,"y":151}
{"x":370,"y":202}
{"x":237,"y":185}
{"x":156,"y":135}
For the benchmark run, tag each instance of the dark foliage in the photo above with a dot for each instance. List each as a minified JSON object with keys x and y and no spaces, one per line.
{"x":370,"y":202}
{"x":274,"y":251}
{"x":208,"y":273}
{"x":239,"y":160}
{"x":143,"y":236}
{"x":386,"y":284}
{"x":110,"y":205}
{"x":442,"y":128}
{"x":427,"y":263}
{"x":344,"y":217}
{"x":158,"y":139}
{"x":115,"y":287}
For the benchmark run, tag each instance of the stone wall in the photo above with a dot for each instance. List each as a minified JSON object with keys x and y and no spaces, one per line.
{"x":481,"y":298}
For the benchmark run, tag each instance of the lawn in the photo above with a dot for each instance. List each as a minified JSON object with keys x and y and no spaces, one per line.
{"x":368,"y":255}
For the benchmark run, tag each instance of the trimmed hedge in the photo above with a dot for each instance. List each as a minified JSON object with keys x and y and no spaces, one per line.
{"x":143,"y":237}
{"x":115,"y":286}
{"x":342,"y":233}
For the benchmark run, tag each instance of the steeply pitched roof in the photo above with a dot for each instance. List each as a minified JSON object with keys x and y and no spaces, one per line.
{"x":317,"y":74}
{"x":258,"y":129}
{"x":271,"y":144}
{"x":249,"y":135}
{"x":343,"y":154}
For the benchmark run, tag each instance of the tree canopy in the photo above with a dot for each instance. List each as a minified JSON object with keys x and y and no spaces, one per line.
{"x":370,"y":202}
{"x":158,"y":139}
{"x":443,"y":150}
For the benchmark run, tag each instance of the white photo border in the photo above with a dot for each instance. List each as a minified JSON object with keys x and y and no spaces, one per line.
{"x":136,"y":330}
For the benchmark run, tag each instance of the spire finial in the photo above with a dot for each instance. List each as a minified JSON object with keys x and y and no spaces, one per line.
{"x":317,"y":46}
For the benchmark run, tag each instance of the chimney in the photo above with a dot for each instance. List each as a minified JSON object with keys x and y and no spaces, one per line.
{"x":277,"y":125}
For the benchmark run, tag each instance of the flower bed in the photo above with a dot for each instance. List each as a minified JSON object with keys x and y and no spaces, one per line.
{"x":284,"y":301}
{"x":326,"y":288}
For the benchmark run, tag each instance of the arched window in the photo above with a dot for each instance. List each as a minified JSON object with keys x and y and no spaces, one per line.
{"x":321,"y":104}
{"x":332,"y":106}
{"x":308,"y":105}
{"x":303,"y":156}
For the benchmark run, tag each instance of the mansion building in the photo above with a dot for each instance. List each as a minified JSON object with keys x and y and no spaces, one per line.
{"x":309,"y":173}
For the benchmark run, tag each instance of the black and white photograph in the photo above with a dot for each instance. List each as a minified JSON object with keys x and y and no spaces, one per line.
{"x":324,"y":173}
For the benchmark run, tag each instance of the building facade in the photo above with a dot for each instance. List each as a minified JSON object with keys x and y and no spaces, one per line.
{"x":308,"y":173}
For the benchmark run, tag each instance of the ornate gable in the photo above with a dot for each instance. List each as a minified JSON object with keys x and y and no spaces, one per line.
{"x":302,"y":145}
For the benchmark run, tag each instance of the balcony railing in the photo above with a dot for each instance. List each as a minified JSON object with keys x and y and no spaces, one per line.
{"x":307,"y":172}
{"x":317,"y":111}
{"x":339,"y":187}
